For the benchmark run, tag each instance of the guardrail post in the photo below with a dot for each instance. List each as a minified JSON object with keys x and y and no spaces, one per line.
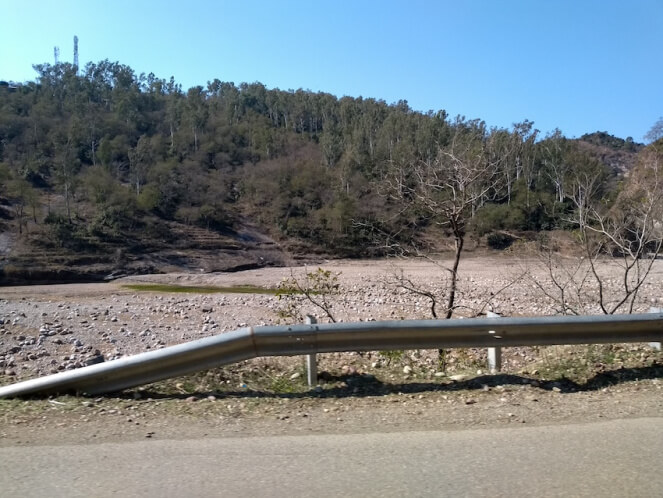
{"x":655,"y":345}
{"x":311,"y":359}
{"x":494,"y":354}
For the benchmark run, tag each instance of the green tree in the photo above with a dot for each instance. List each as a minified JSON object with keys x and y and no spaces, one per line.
{"x":23,"y":196}
{"x":141,"y":157}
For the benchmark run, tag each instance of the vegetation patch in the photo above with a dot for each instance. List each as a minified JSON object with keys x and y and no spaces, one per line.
{"x":195,"y":289}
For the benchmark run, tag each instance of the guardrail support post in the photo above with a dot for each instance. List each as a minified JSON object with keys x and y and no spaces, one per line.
{"x":655,"y":345}
{"x":494,"y":354}
{"x":311,"y":359}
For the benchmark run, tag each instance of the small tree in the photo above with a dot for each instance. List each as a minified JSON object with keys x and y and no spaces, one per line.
{"x":446,"y":192}
{"x":317,"y":288}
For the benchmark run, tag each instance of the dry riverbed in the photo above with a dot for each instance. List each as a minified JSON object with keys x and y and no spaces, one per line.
{"x":47,"y":329}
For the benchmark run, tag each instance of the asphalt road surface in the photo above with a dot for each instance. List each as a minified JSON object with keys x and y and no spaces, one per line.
{"x":616,"y":458}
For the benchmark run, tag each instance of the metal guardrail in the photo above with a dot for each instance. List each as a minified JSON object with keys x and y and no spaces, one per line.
{"x":246,"y":343}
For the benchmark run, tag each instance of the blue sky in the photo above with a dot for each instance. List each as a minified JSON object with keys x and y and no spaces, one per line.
{"x":580,"y":65}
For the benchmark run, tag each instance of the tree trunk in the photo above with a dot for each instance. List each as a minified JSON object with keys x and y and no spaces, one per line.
{"x":66,"y":199}
{"x":459,"y":242}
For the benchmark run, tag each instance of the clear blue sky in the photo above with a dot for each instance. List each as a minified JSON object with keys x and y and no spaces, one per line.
{"x":580,"y":65}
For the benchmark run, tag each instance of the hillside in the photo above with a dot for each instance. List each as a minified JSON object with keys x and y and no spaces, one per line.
{"x":617,"y":154}
{"x":159,"y":247}
{"x":105,"y":172}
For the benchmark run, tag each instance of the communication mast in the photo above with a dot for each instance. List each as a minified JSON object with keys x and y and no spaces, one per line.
{"x":56,"y":55}
{"x":76,"y":53}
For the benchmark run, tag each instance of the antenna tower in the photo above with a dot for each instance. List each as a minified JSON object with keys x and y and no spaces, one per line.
{"x":76,"y":52}
{"x":56,"y":55}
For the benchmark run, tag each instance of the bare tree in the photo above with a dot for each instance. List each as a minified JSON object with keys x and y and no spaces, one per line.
{"x":630,"y":231}
{"x":623,"y":234}
{"x":655,"y":132}
{"x":481,"y":301}
{"x":567,"y":279}
{"x":445,"y":192}
{"x":556,"y":168}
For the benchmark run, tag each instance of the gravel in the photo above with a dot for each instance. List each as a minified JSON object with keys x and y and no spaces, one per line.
{"x":47,"y":329}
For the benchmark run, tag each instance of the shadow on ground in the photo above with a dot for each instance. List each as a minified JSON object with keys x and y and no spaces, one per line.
{"x":362,"y":385}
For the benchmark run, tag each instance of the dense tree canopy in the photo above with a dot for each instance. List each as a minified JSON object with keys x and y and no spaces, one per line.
{"x":105,"y":150}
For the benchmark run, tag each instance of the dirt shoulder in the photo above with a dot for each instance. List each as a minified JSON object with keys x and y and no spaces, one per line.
{"x":70,"y":420}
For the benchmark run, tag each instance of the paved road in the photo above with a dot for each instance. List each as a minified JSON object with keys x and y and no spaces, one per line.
{"x":616,"y":458}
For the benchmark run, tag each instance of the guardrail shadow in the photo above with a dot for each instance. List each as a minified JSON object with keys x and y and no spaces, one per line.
{"x":366,"y":385}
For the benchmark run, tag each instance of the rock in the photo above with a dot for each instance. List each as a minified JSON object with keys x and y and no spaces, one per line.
{"x":348,"y":370}
{"x":439,"y":374}
{"x":458,"y":378}
{"x":407,"y":369}
{"x":295,"y":376}
{"x":99,"y":358}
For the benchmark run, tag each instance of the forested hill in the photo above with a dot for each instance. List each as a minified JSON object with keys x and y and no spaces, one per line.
{"x":129,"y":172}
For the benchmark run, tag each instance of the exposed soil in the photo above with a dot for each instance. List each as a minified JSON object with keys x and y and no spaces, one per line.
{"x":53,"y":328}
{"x":69,"y":420}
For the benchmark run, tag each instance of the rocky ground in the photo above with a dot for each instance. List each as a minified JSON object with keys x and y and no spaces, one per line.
{"x":47,"y":329}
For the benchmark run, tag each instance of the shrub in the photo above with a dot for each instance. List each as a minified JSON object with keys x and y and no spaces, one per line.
{"x":500,"y":241}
